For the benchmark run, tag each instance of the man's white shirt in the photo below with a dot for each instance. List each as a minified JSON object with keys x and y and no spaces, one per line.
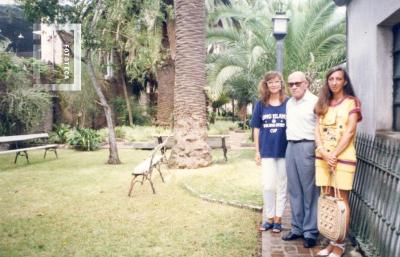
{"x":300,"y":119}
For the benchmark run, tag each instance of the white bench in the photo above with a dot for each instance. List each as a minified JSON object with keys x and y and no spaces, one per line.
{"x":23,"y":150}
{"x":214,"y":141}
{"x":145,"y":169}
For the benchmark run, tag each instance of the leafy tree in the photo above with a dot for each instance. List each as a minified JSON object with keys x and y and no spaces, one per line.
{"x":90,"y":14}
{"x":315,"y":42}
{"x":22,"y":106}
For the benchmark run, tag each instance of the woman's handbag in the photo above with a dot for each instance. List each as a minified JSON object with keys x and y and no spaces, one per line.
{"x":332,"y":213}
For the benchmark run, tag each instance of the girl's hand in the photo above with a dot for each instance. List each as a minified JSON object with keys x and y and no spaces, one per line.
{"x":258,"y":159}
{"x":332,"y":160}
{"x":329,"y":158}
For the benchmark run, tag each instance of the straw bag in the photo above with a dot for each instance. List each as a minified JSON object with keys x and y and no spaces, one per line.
{"x":332,"y":214}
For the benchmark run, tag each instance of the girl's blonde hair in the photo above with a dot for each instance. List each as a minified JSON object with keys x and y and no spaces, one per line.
{"x":263,"y":90}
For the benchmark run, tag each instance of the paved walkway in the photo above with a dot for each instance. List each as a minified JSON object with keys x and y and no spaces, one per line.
{"x":274,"y":246}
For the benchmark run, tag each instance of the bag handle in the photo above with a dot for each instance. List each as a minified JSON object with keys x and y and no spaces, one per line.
{"x":336,"y":190}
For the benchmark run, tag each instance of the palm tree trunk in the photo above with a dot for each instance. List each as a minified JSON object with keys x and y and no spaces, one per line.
{"x":166,"y":75}
{"x":165,"y":97}
{"x":113,"y":157}
{"x":191,"y":149}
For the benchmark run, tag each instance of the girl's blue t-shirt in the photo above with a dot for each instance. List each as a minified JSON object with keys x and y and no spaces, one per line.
{"x":271,"y":120}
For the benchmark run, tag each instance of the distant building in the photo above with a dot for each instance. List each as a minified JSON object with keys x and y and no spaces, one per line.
{"x":51,"y":45}
{"x":373,"y":61}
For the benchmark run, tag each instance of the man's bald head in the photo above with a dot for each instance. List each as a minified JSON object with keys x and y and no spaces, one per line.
{"x":298,"y":84}
{"x":299,"y":75}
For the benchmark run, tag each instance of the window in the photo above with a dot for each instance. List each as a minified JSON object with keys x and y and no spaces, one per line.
{"x":396,"y":78}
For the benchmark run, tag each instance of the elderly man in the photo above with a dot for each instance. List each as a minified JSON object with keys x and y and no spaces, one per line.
{"x":300,"y":160}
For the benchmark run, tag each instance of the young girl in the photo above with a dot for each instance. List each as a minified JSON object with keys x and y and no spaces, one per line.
{"x":338,"y":112}
{"x":269,"y":123}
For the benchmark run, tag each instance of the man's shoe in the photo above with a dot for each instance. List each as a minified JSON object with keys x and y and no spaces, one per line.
{"x":309,"y":242}
{"x":291,"y":236}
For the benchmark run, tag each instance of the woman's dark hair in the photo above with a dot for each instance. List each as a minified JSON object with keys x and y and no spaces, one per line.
{"x":326,"y":95}
{"x":263,"y":89}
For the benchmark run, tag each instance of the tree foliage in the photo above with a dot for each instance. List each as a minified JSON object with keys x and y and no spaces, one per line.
{"x":22,"y":106}
{"x":243,"y":52}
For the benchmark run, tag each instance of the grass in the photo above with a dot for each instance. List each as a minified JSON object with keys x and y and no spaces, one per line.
{"x":238,"y":180}
{"x":78,"y":206}
{"x":221,"y":127}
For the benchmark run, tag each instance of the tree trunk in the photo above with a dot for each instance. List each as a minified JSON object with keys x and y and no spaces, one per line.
{"x":242,"y":113}
{"x":233,"y":110}
{"x":121,"y":74}
{"x":166,"y":76}
{"x":113,"y":157}
{"x":191,"y":149}
{"x":165,"y":98}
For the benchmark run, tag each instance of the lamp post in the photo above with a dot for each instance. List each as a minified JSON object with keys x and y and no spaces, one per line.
{"x":280,"y":21}
{"x":19,"y":38}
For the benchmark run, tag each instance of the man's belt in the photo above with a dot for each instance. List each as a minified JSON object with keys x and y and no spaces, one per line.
{"x":300,"y":141}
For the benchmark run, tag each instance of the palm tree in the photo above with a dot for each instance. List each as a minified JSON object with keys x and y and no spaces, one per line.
{"x":315,"y":42}
{"x":191,"y":149}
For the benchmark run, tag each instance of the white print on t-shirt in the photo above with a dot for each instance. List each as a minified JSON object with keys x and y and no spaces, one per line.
{"x":273,"y":121}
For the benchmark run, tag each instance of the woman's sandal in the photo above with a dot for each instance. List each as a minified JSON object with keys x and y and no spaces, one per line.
{"x":325,"y":252}
{"x":341,"y":246}
{"x":277,"y":228}
{"x":266,"y":226}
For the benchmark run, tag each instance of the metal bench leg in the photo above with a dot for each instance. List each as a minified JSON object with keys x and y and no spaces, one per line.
{"x":16,"y":157}
{"x":151,"y":182}
{"x":159,"y":171}
{"x":132,"y":184}
{"x":50,"y":149}
{"x":19,"y":153}
{"x":152,"y":186}
{"x":26,"y":156}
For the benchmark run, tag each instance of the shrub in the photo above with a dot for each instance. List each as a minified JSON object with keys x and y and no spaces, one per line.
{"x":84,"y":139}
{"x":120,"y":132}
{"x":61,"y":132}
{"x":22,"y":106}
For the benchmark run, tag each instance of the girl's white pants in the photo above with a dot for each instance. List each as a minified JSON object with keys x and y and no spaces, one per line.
{"x":274,"y":183}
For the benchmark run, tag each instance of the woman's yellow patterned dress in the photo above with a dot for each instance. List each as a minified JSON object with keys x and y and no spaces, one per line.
{"x":332,"y":126}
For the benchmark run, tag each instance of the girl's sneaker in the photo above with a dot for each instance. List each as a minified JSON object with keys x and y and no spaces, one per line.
{"x":266,"y":226}
{"x":277,"y":228}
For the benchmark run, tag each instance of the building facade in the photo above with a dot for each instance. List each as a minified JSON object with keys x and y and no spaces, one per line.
{"x":373,"y":62}
{"x":373,"y":59}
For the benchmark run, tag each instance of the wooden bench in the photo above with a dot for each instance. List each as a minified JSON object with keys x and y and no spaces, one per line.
{"x":21,"y":145}
{"x":145,"y":169}
{"x":214,"y":141}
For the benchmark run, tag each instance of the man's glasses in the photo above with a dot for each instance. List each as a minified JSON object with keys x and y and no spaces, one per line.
{"x":297,"y":83}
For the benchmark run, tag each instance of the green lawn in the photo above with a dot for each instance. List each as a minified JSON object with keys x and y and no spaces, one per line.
{"x":78,"y":206}
{"x":238,"y":180}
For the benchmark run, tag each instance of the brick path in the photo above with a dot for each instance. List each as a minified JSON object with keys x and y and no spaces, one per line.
{"x":274,"y":246}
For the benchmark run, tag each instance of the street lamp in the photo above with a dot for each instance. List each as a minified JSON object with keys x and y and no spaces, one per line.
{"x":280,"y":22}
{"x":19,"y":37}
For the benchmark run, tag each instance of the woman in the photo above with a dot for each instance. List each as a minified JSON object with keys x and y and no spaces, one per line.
{"x":269,"y":123}
{"x":338,"y":111}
